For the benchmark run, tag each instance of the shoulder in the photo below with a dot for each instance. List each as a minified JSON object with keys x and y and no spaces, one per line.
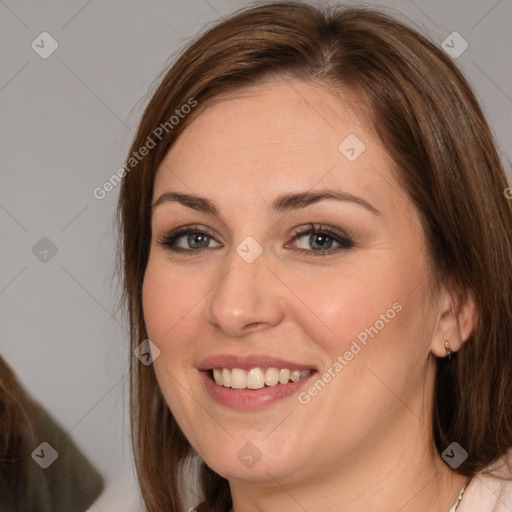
{"x":491,"y":489}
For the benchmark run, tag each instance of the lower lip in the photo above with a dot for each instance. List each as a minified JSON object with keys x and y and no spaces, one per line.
{"x":251,"y":399}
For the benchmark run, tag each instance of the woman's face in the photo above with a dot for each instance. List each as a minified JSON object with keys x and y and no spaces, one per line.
{"x":247,"y":285}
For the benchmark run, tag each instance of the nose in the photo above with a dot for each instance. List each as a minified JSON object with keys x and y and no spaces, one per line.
{"x":246,"y":298}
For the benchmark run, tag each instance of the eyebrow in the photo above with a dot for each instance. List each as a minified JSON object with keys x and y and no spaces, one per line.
{"x":283,"y":203}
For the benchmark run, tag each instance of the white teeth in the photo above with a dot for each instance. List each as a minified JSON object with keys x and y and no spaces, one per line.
{"x":217,"y":376}
{"x":284,"y":376}
{"x":295,"y":375}
{"x":256,"y":378}
{"x":271,"y":376}
{"x":238,"y":378}
{"x":226,"y":378}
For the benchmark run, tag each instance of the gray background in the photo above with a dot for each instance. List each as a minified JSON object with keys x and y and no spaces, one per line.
{"x":66,"y":125}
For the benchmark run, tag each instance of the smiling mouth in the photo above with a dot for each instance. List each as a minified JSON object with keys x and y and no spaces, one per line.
{"x":256,"y":378}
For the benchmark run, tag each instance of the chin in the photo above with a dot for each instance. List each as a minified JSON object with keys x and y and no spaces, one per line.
{"x":261,"y":471}
{"x":253,"y":461}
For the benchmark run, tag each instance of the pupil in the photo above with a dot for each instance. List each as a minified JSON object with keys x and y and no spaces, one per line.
{"x":321,"y":241}
{"x":200,"y":239}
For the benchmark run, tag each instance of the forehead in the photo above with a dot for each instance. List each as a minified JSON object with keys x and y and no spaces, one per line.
{"x":273,"y":138}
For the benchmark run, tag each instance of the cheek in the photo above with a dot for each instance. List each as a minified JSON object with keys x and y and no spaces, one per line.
{"x":340,"y":307}
{"x":378,"y":307}
{"x":155,"y":303}
{"x":168,"y":304}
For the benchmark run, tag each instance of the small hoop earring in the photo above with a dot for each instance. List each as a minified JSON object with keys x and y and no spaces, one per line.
{"x":449,"y":351}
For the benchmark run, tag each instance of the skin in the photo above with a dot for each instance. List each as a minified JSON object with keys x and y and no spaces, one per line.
{"x":364,"y":442}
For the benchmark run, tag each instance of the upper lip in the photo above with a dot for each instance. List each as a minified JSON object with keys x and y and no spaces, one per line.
{"x":246,"y":362}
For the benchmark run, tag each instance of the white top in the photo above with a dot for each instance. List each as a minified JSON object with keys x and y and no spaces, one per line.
{"x":486,"y":493}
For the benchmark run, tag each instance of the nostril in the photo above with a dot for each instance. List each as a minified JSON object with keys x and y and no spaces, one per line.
{"x":254,"y":326}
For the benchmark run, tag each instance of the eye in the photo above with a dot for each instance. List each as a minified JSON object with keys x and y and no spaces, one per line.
{"x":312,"y":240}
{"x":319,"y":240}
{"x":188,"y":239}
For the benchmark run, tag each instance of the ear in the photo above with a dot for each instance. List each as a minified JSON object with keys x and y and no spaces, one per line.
{"x":457,"y":319}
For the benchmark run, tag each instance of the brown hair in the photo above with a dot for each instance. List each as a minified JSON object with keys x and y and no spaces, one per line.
{"x":446,"y":160}
{"x":15,"y":436}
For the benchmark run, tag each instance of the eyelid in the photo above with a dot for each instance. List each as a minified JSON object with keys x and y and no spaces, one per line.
{"x":322,"y":229}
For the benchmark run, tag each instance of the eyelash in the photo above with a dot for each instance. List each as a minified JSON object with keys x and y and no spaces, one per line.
{"x":339,"y":237}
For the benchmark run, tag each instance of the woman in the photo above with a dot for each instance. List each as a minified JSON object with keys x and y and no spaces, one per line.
{"x":317,"y":245}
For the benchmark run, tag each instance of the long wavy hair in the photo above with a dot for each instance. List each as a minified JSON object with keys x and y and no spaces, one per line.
{"x":427,"y":117}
